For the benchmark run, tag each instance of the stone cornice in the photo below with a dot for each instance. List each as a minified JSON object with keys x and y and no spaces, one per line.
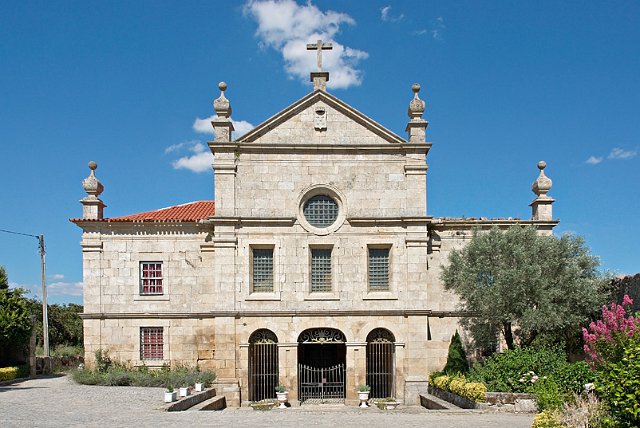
{"x":315,"y":148}
{"x":282,"y":221}
{"x":369,"y":221}
{"x":275,"y":313}
{"x":446,"y":223}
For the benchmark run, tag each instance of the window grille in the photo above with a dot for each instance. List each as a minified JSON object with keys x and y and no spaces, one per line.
{"x":151,"y":278}
{"x":151,"y":343}
{"x":379,"y":269}
{"x":263,"y":269}
{"x":320,"y":269}
{"x":320,"y":211}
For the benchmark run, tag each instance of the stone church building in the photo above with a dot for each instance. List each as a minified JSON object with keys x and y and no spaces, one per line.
{"x":317,"y":267}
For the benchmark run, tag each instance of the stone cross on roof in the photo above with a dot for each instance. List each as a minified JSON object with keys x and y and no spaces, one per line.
{"x":319,"y":46}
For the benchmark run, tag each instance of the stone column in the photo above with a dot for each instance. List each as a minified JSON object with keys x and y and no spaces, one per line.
{"x":288,"y":368}
{"x":356,"y":371}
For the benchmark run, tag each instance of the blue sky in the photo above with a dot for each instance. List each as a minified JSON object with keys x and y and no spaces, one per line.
{"x":127,"y":84}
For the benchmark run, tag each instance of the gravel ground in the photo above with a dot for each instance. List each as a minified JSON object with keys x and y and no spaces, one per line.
{"x":59,"y":402}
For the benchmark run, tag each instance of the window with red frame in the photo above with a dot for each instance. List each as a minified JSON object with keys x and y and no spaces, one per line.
{"x":151,"y":343}
{"x":151,"y":278}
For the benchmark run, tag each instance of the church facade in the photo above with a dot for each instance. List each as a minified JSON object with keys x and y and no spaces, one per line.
{"x":317,"y":267}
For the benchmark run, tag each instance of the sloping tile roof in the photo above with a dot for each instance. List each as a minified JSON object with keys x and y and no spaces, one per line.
{"x":192,"y":211}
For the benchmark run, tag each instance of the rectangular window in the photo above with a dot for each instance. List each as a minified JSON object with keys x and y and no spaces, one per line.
{"x":150,"y":278}
{"x":151,"y":343}
{"x":320,"y":270}
{"x":378,"y":269}
{"x":262,"y":266}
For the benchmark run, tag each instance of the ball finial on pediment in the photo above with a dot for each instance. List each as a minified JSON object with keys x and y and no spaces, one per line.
{"x":542,"y":185}
{"x":91,"y":184}
{"x":221,"y":105}
{"x":416,"y":106}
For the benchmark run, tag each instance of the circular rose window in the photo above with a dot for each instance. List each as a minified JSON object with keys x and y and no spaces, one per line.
{"x":320,"y":211}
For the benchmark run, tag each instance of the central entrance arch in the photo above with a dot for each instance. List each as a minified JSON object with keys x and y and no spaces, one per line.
{"x":322,"y":356}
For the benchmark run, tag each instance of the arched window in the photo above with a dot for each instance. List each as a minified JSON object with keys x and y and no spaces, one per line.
{"x":381,"y":363}
{"x":263,"y":364}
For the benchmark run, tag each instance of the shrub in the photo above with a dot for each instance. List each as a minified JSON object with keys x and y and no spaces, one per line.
{"x":548,"y":394}
{"x":505,"y":372}
{"x":458,"y":385}
{"x":475,"y":391}
{"x":457,"y":358}
{"x":572,"y":377}
{"x":605,"y":343}
{"x":619,"y":384}
{"x":8,"y":373}
{"x":546,"y":419}
{"x":583,"y":410}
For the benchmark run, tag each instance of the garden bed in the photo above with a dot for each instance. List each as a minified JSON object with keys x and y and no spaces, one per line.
{"x":495,"y":401}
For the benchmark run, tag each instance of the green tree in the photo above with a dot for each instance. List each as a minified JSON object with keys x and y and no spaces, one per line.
{"x":457,"y":358}
{"x":524,"y":285}
{"x":15,"y":323}
{"x":4,"y":281}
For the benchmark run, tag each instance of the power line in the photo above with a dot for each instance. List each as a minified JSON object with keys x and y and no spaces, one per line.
{"x":18,"y":233}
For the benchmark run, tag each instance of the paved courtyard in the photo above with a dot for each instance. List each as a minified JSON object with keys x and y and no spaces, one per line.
{"x":59,"y":402}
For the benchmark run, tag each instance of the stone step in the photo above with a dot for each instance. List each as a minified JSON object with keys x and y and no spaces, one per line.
{"x":434,"y":403}
{"x":214,"y":403}
{"x":191,"y":400}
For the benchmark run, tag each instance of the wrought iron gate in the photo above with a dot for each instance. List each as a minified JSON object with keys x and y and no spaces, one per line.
{"x":321,"y":385}
{"x":380,"y":363}
{"x":263,"y":365}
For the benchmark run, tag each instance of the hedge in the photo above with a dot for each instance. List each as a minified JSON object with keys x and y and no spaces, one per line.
{"x":459,"y":385}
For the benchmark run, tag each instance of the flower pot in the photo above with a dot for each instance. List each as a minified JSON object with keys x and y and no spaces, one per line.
{"x":199,"y":387}
{"x":283,"y":397}
{"x":363,"y":397}
{"x":170,"y":397}
{"x":184,"y":391}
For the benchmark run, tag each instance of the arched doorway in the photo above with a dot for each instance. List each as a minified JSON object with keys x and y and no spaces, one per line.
{"x":263,"y":364}
{"x":322,"y":356}
{"x":381,"y":363}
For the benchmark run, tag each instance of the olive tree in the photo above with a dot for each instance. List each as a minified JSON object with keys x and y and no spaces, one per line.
{"x":523,"y":284}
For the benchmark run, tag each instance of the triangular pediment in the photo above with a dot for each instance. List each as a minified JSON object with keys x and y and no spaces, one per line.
{"x":320,"y":118}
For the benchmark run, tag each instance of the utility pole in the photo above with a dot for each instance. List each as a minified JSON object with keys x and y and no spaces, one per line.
{"x":45,"y":315}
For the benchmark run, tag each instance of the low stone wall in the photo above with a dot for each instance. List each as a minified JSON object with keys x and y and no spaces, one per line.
{"x":48,"y":365}
{"x":452,"y":398}
{"x":495,"y":401}
{"x":511,"y":402}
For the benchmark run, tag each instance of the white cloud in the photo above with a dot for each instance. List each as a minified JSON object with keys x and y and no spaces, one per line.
{"x":57,"y":276}
{"x":385,"y":15}
{"x":420,"y":32}
{"x":64,"y":289}
{"x":203,"y":126}
{"x":594,"y":160}
{"x":54,"y":289}
{"x":438,"y":28}
{"x":287,"y":27}
{"x":618,"y":153}
{"x":200,"y":161}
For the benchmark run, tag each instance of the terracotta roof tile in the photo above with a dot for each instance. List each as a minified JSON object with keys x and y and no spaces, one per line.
{"x":192,"y":211}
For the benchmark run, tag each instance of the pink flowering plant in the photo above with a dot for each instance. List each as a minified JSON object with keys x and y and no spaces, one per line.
{"x":605,"y":339}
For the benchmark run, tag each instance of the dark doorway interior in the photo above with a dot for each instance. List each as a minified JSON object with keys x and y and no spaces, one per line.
{"x":322,"y":355}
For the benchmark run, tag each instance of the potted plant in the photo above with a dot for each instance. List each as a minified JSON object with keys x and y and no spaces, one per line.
{"x":169,"y":394}
{"x":199,"y":384}
{"x":363,"y":395}
{"x":184,"y":391}
{"x":283,"y":396}
{"x":388,"y":403}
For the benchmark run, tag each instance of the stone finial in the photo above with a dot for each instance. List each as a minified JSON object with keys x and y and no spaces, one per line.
{"x":222,"y":125}
{"x":417,"y":126}
{"x":541,"y":207}
{"x":92,"y":206}
{"x":416,"y":106}
{"x":543,"y":184}
{"x":91,"y":184}
{"x":222,"y":105}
